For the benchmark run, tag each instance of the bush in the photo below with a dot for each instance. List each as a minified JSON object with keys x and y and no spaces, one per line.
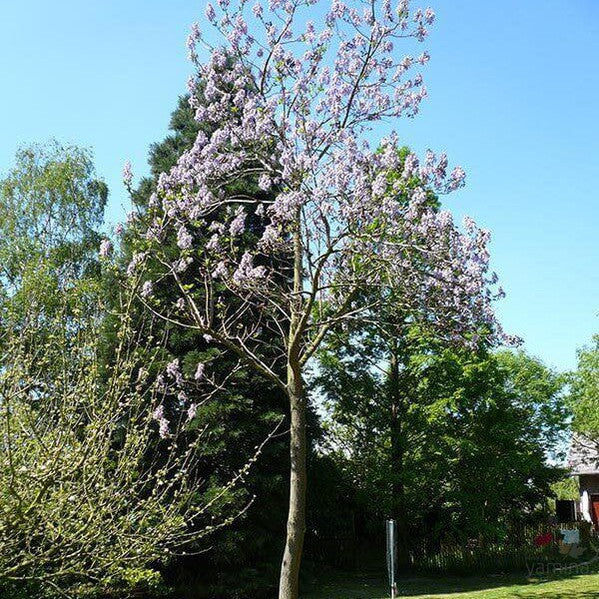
{"x":92,"y":500}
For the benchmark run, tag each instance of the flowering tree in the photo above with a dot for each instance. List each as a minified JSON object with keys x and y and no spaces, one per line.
{"x":291,"y":106}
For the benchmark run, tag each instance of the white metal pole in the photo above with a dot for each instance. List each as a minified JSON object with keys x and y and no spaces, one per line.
{"x":391,"y":555}
{"x":392,"y":537}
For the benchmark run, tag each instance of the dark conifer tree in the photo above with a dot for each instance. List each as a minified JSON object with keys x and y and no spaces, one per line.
{"x":238,"y":418}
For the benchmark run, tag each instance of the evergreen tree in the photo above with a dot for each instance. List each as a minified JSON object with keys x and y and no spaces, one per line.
{"x":239,"y":417}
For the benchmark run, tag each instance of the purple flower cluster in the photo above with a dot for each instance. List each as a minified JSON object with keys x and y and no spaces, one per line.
{"x":163,"y":423}
{"x":105,"y":248}
{"x":127,"y":175}
{"x":147,"y":289}
{"x":173,"y":387}
{"x":288,"y":104}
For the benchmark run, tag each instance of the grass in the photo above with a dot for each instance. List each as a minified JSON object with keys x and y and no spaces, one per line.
{"x":583,"y":586}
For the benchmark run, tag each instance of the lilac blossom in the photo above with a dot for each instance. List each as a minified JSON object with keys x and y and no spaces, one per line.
{"x":163,"y":423}
{"x":147,"y":289}
{"x":135,"y":263}
{"x":184,"y":239}
{"x":220,"y":271}
{"x":264,"y":182}
{"x":105,"y":248}
{"x":199,"y":373}
{"x":246,"y":273}
{"x":173,"y":371}
{"x":237,"y":225}
{"x":172,"y":368}
{"x":127,"y":174}
{"x":192,"y":411}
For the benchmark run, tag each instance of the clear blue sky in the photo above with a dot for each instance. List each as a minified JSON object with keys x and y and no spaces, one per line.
{"x":513,"y":97}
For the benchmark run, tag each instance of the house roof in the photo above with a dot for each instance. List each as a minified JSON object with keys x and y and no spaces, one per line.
{"x":583,"y":455}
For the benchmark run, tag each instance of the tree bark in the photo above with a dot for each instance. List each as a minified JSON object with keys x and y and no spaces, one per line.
{"x":296,"y":518}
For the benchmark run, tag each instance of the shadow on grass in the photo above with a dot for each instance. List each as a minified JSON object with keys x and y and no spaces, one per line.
{"x":352,"y":586}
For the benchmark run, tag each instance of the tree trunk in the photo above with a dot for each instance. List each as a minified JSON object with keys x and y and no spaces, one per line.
{"x":296,"y":518}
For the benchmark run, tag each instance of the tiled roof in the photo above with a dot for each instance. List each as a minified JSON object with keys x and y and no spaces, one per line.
{"x":583,"y":456}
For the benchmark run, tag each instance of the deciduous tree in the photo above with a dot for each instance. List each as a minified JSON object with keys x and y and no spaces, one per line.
{"x":291,"y":105}
{"x":584,"y":396}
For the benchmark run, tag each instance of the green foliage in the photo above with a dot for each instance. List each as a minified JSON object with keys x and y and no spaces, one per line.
{"x":584,"y":392}
{"x":567,"y":488}
{"x":538,"y":391}
{"x":497,"y":418}
{"x":473,"y":437}
{"x":51,"y":206}
{"x":91,"y":502}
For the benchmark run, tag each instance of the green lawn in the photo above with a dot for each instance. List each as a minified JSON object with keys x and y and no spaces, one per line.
{"x":500,"y":587}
